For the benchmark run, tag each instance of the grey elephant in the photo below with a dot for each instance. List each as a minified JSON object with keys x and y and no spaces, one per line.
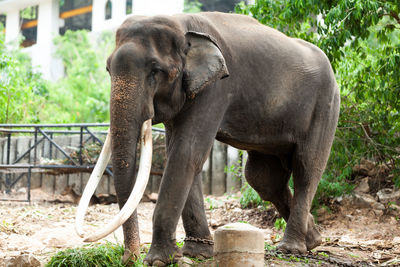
{"x":223,"y":76}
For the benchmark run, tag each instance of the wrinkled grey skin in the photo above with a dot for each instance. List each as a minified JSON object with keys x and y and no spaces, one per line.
{"x":280,"y":103}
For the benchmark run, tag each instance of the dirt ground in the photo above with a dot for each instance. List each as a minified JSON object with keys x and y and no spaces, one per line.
{"x":352,"y":236}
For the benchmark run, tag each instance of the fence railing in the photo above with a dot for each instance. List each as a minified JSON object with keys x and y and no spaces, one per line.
{"x":39,"y":151}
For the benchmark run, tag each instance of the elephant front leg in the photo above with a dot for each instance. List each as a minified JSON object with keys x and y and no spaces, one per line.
{"x":174,"y":189}
{"x":185,"y":160}
{"x":198,"y":242}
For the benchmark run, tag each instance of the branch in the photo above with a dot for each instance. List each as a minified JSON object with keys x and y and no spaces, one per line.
{"x":393,"y":15}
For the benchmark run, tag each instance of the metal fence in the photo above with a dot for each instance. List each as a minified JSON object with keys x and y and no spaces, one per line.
{"x":23,"y":146}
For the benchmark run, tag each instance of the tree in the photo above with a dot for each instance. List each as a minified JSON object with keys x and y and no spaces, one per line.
{"x":23,"y":91}
{"x":211,"y":5}
{"x":362,"y":40}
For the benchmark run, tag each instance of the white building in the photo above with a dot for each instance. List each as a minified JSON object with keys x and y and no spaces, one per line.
{"x":40,"y":20}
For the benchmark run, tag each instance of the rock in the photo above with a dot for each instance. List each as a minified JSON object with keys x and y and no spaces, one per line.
{"x":149,"y":197}
{"x":185,"y":262}
{"x":380,"y":172}
{"x":394,"y":210}
{"x":363,"y":186}
{"x":22,"y":190}
{"x":239,"y":244}
{"x":378,"y":213}
{"x":19,"y":259}
{"x":153,"y":197}
{"x":378,"y":206}
{"x":387,"y":195}
{"x":363,"y":168}
{"x":322,"y":214}
{"x":396,"y":240}
{"x":364,"y":201}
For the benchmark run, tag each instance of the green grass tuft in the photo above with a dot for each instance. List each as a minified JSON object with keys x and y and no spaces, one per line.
{"x":96,"y":255}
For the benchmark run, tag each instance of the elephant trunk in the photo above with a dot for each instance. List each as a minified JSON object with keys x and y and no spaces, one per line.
{"x":127,"y":116}
{"x":135,"y":195}
{"x":139,"y":188}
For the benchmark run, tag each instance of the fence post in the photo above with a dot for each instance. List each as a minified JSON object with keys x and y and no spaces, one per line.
{"x":206,"y":175}
{"x":218,"y":182}
{"x":232,"y":179}
{"x":244,"y":160}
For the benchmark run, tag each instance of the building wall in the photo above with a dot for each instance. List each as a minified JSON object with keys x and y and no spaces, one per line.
{"x":49,"y":22}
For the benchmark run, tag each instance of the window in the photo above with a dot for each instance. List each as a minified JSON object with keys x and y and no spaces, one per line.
{"x":29,"y":21}
{"x":129,"y":6}
{"x":108,"y":10}
{"x":77,"y":15}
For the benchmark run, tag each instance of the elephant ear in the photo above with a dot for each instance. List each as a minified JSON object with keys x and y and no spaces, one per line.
{"x":204,"y":63}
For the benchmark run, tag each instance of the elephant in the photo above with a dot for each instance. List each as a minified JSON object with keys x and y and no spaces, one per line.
{"x":210,"y":76}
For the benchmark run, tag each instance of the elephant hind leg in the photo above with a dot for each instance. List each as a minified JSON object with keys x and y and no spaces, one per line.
{"x":268,"y":176}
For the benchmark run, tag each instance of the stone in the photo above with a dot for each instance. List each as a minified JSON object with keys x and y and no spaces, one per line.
{"x":387,"y":195}
{"x":394,"y":210}
{"x":363,"y":186}
{"x":239,"y":244}
{"x":19,"y":259}
{"x":364,"y":201}
{"x":396,"y":240}
{"x":153,"y":197}
{"x":363,"y":168}
{"x":185,"y":262}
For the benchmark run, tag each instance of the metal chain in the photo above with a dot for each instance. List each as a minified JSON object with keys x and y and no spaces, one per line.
{"x":329,"y":259}
{"x":199,"y":240}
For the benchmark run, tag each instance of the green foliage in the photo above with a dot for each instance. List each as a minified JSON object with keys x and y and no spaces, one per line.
{"x":192,"y":6}
{"x":362,"y":40}
{"x":91,"y":255}
{"x":83,"y":94}
{"x":23,"y":91}
{"x":250,"y":198}
{"x":280,"y":224}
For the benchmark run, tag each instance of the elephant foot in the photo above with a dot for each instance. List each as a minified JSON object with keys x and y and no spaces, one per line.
{"x":162,"y":255}
{"x":291,"y":247}
{"x":313,"y":239}
{"x":129,"y":258}
{"x":197,"y":250}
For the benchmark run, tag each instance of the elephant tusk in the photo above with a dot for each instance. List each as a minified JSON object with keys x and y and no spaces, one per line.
{"x":91,"y":185}
{"x":139,"y":188}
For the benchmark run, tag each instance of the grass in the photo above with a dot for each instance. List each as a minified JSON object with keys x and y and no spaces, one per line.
{"x":98,"y":255}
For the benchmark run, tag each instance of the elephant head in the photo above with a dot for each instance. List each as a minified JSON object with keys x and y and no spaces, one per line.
{"x":156,"y":68}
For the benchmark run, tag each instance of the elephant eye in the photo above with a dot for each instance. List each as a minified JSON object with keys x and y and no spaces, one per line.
{"x":155,"y":70}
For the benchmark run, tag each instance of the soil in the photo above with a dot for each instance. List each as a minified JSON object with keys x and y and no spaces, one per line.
{"x":352,"y":236}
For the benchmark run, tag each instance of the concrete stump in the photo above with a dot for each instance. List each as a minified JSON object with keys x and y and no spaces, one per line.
{"x":239,"y":244}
